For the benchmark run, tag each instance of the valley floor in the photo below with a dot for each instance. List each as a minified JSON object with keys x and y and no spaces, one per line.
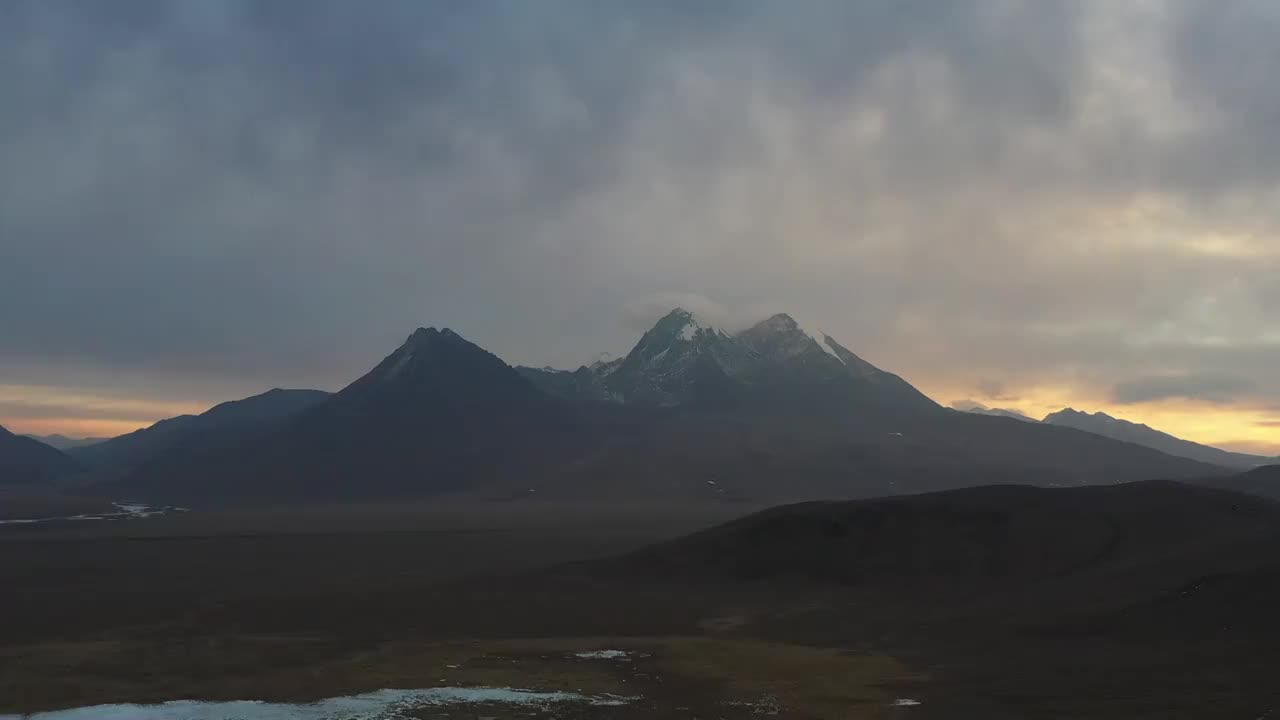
{"x":297,"y":606}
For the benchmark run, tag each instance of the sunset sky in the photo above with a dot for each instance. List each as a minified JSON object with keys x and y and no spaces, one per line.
{"x":1025,"y":204}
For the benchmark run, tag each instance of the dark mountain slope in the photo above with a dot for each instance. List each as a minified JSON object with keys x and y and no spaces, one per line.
{"x":792,"y":453}
{"x":677,"y":362}
{"x":794,"y":365}
{"x":1262,"y":482}
{"x":24,"y":461}
{"x":120,"y":455}
{"x":439,"y":414}
{"x":1130,"y":432}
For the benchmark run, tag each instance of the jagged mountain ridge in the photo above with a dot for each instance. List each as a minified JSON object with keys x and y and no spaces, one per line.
{"x":682,"y":361}
{"x":1103,"y":424}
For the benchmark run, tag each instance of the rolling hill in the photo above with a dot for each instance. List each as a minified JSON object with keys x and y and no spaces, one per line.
{"x":1262,"y":482}
{"x":990,"y":534}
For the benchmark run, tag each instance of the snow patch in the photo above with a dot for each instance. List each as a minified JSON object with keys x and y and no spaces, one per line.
{"x":692,"y":326}
{"x":603,"y":655}
{"x":379,"y":705}
{"x":822,"y":343}
{"x":820,"y":338}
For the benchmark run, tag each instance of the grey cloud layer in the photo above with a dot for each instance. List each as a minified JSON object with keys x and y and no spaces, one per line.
{"x":1209,"y":387}
{"x":275,"y":192}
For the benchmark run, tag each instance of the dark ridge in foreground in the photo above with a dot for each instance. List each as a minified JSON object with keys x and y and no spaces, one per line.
{"x":974,"y":535}
{"x":1262,"y":482}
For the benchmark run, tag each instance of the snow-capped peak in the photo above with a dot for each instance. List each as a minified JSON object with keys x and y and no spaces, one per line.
{"x":685,"y":326}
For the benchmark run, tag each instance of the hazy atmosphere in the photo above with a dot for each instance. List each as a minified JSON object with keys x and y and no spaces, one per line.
{"x":1027,"y":205}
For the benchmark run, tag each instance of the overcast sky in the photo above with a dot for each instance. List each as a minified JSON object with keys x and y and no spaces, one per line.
{"x":1024,"y":204}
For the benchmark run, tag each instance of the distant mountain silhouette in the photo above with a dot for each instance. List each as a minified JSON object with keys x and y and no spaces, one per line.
{"x":121,"y":455}
{"x":1125,"y":431}
{"x":24,"y":461}
{"x":773,"y":413}
{"x":979,"y":409}
{"x":438,"y":414}
{"x":64,"y":443}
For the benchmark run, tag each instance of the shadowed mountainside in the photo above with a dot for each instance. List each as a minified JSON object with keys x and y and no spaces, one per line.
{"x":178,"y":442}
{"x":1262,"y":482}
{"x":24,"y":461}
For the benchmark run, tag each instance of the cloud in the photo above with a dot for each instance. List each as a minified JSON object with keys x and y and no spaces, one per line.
{"x":216,"y":198}
{"x":640,"y":314}
{"x":994,"y":390}
{"x":1207,"y":387}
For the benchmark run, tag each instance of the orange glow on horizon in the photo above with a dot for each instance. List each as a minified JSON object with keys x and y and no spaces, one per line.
{"x":1235,"y":427}
{"x":1239,"y":428}
{"x":72,"y":427}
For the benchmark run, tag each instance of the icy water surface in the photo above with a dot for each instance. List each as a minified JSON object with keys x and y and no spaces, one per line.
{"x":380,"y":705}
{"x":124,"y":511}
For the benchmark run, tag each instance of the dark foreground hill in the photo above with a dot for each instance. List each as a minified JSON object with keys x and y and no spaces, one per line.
{"x":981,"y":535}
{"x":1134,"y":616}
{"x":1262,"y":482}
{"x":24,"y":461}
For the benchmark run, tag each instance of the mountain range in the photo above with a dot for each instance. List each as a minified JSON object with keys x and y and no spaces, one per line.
{"x":1100,"y":423}
{"x":28,"y":462}
{"x":177,"y":442}
{"x":681,"y":362}
{"x":62,"y":442}
{"x":1125,"y":431}
{"x":770,"y":413}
